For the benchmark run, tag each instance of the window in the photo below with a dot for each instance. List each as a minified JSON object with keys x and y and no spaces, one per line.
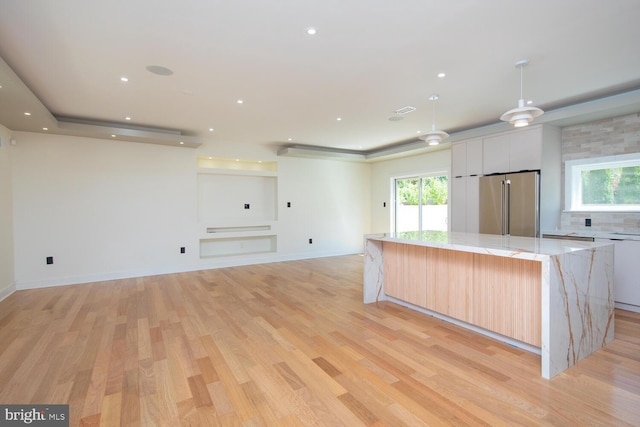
{"x":603,"y":184}
{"x":421,"y":203}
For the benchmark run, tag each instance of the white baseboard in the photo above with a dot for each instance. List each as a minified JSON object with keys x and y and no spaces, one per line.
{"x":204,"y":264}
{"x":628,"y":307}
{"x":5,"y":292}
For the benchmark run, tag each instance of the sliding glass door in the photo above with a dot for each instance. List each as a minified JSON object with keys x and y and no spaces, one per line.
{"x":421,"y":203}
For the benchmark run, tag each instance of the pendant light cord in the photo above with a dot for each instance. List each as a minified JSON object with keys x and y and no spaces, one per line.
{"x":521,"y":72}
{"x":433,"y":116}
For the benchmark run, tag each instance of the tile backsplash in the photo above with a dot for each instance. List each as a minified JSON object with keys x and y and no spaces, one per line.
{"x":607,"y":137}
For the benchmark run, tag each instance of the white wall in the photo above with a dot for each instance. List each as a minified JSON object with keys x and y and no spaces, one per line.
{"x":383,"y":172}
{"x":330,"y":204}
{"x":101,"y":208}
{"x":106,"y":209}
{"x":7,"y":272}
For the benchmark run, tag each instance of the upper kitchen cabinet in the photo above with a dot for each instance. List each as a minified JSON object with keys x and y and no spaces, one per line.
{"x":466,"y":157}
{"x":513,"y":151}
{"x":458,"y":159}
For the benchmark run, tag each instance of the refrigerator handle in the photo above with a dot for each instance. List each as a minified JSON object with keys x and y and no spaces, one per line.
{"x":507,"y":210}
{"x":502,"y":201}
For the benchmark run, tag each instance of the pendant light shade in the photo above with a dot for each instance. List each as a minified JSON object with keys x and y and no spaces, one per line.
{"x":434,"y":136}
{"x":522,"y":115}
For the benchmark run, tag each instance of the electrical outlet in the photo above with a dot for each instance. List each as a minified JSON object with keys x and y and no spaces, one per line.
{"x":384,"y":204}
{"x":310,"y":241}
{"x":247,"y":206}
{"x":288,"y":204}
{"x":49,"y":260}
{"x":587,"y":222}
{"x":183,"y":249}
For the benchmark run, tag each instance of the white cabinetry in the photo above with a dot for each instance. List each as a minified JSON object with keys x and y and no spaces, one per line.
{"x":459,"y":159}
{"x":533,"y":148}
{"x":626,"y":276}
{"x":466,"y":165}
{"x":513,"y":151}
{"x":474,"y":156}
{"x":472,"y":220}
{"x":458,"y":203}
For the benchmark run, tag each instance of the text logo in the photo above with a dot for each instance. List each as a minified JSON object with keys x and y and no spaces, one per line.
{"x":34,"y":415}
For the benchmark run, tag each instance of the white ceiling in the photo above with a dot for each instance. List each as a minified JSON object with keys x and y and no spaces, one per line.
{"x":64,"y":60}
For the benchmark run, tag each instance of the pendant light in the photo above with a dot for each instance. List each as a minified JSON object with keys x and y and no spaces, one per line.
{"x":434,"y":137}
{"x":522,"y":115}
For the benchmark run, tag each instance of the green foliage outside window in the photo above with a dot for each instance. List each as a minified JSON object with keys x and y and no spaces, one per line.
{"x":619,"y":186}
{"x":434,"y":191}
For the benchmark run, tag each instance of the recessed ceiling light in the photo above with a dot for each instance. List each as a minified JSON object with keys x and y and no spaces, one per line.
{"x":181,"y":142}
{"x":127,"y":118}
{"x":442,"y":75}
{"x":45,"y":128}
{"x":529,"y":102}
{"x":159,"y":70}
{"x":113,"y":136}
{"x":26,"y":113}
{"x":339,"y":119}
{"x":237,"y":160}
{"x":124,"y":79}
{"x":311,"y":31}
{"x":210,"y":129}
{"x":419,"y":131}
{"x":210,"y":158}
{"x":240,"y":101}
{"x":289,"y":139}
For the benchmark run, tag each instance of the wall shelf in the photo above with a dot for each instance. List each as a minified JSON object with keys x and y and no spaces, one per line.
{"x":232,"y":246}
{"x":238,"y":228}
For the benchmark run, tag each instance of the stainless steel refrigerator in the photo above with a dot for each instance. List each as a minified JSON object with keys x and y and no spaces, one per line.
{"x":510,"y":204}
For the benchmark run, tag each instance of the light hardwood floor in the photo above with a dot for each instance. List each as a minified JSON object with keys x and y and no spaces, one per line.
{"x":288,"y":344}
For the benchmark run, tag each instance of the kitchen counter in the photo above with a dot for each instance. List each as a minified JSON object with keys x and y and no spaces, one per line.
{"x":511,"y":246}
{"x":553,"y":297}
{"x":595,"y":234}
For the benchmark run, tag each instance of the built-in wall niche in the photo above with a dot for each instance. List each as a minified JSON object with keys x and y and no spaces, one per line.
{"x":237,"y":206}
{"x":236,"y":197}
{"x":221,"y":247}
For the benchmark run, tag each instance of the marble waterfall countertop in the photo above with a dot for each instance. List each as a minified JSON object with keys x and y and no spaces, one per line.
{"x":576,"y":300}
{"x":531,"y":248}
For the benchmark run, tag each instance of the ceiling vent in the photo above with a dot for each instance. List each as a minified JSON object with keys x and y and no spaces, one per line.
{"x":405,"y":110}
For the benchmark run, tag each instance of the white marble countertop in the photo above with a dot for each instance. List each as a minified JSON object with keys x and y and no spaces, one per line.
{"x":597,"y":234}
{"x":508,"y":246}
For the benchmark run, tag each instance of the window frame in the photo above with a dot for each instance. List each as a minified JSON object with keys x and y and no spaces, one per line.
{"x":573,"y":182}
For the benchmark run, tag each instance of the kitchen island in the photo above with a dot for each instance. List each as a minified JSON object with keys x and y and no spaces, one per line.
{"x":552,"y":297}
